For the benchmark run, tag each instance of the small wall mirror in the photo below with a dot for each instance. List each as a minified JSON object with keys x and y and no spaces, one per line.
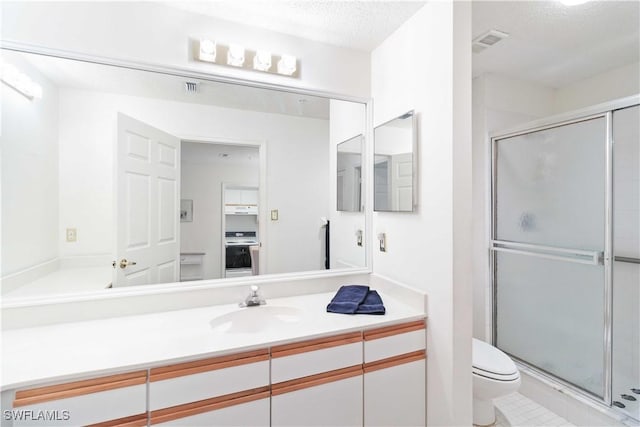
{"x":349,"y":175}
{"x":395,"y":154}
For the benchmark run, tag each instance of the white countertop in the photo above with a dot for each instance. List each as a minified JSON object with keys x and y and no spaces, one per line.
{"x":100,"y":347}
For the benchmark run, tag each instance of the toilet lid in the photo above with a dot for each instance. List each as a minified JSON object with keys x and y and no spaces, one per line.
{"x":490,"y":362}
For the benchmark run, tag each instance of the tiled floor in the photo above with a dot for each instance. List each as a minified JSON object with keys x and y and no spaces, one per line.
{"x":516,"y":410}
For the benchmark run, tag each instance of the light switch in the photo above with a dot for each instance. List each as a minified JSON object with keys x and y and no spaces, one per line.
{"x":382,"y":237}
{"x":274,"y":214}
{"x":71,"y":235}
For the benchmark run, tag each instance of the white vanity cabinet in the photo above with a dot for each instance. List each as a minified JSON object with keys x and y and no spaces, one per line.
{"x":226,"y":390}
{"x":395,"y":375}
{"x":317,"y":382}
{"x":116,"y":400}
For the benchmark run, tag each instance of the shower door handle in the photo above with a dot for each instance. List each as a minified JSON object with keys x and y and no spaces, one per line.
{"x":630,"y":260}
{"x":549,"y":252}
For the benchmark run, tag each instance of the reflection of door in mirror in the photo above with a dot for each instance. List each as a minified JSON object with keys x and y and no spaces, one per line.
{"x":382,"y":172}
{"x":401,"y":182}
{"x":147,"y":199}
{"x":349,"y":175}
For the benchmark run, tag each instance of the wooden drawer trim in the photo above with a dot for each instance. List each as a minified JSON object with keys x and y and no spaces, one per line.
{"x":388,"y":331}
{"x":132,"y":421}
{"x":205,"y":365}
{"x":78,"y":388}
{"x":315,"y":344}
{"x":208,"y":405}
{"x":316,"y":380}
{"x":395,"y":361}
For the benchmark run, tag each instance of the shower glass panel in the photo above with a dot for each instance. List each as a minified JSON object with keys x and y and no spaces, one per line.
{"x":549,"y":240}
{"x":551,"y":316}
{"x":551,"y":186}
{"x":626,"y":268}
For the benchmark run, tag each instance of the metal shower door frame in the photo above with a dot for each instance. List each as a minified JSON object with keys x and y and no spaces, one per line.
{"x":570,"y":255}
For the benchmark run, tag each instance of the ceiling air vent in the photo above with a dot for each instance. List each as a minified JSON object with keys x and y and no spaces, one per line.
{"x":487,"y":39}
{"x":191,"y":87}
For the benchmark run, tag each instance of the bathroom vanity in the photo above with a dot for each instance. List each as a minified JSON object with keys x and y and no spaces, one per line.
{"x":285,"y":363}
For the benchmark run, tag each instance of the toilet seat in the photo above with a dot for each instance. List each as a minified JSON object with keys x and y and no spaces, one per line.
{"x":491,"y":363}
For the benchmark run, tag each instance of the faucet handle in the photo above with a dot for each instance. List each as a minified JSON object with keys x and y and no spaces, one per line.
{"x":254,"y":298}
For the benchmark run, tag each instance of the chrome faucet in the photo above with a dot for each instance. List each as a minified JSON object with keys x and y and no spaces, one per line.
{"x":253,"y":299}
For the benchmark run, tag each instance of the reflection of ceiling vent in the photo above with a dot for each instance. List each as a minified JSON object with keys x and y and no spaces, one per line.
{"x":191,"y":87}
{"x":487,"y":39}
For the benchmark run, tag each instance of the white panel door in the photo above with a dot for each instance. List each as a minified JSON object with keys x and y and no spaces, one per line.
{"x":147,"y":208}
{"x":402,"y":182}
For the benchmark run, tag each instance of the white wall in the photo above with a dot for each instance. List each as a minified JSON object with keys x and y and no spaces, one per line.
{"x":297,"y":168}
{"x":155,"y":33}
{"x":429,"y":249}
{"x":201,"y":181}
{"x":346,"y":120}
{"x":613,"y":84}
{"x":499,"y":102}
{"x":29,"y":173}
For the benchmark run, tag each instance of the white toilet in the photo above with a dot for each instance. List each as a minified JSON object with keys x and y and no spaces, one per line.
{"x":494,"y":375}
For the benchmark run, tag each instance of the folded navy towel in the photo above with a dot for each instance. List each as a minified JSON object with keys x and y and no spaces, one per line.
{"x":348,"y":298}
{"x":372,"y":304}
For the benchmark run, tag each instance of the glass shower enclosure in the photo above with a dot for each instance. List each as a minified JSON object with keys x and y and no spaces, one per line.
{"x":558,"y":306}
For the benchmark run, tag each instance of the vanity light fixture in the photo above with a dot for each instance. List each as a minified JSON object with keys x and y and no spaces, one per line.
{"x":287,"y":65}
{"x":235,"y":55}
{"x":262,"y":60}
{"x":19,"y":81}
{"x":208,"y":50}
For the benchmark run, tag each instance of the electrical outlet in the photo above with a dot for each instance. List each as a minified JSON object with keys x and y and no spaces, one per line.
{"x":274,"y":215}
{"x":72,"y":235}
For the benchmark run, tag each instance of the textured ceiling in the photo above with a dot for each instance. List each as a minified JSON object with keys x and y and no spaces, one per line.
{"x":359,"y":25}
{"x":555,"y":44}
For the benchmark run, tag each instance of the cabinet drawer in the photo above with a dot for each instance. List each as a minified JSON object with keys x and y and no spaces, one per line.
{"x":190,"y":259}
{"x":248,"y":408}
{"x":395,"y":340}
{"x":312,"y":357}
{"x":85,"y":402}
{"x":194,"y":381}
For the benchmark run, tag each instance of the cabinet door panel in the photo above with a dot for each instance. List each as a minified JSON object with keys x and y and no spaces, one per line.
{"x":396,"y":396}
{"x":204,"y":385}
{"x":89,"y":408}
{"x":337,"y":403}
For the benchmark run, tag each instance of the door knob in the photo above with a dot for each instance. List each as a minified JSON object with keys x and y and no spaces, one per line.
{"x":124,"y":263}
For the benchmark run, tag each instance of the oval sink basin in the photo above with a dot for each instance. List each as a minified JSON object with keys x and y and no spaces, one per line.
{"x":255,"y":319}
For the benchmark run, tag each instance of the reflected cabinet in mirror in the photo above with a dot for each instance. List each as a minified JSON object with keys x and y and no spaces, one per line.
{"x":395,"y":165}
{"x":118,"y":177}
{"x":349,"y":175}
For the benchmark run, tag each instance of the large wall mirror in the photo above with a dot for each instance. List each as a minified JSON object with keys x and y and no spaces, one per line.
{"x":395,"y":165}
{"x":120,"y":177}
{"x":349,"y":175}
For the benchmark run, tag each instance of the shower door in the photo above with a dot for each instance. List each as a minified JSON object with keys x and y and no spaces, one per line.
{"x":550,"y":250}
